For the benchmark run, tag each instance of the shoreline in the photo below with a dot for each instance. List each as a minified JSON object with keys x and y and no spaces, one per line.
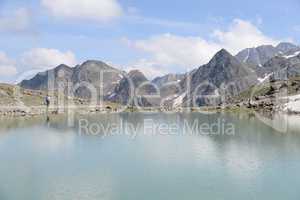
{"x":41,"y":111}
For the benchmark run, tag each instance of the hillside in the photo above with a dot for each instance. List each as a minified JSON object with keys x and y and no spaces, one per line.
{"x":17,"y":101}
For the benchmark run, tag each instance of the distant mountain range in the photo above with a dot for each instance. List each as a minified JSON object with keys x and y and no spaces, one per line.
{"x":257,"y":57}
{"x":225,"y":76}
{"x":88,"y":72}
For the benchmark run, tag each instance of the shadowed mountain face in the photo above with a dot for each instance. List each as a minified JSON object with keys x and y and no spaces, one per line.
{"x":224,"y":75}
{"x":285,"y":47}
{"x":44,"y":79}
{"x":281,"y":67}
{"x":169,"y":78}
{"x":82,"y":80}
{"x":133,"y":87}
{"x":260,"y":55}
{"x":96,"y":74}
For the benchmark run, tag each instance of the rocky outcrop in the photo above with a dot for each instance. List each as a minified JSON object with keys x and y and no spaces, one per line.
{"x":82,"y":81}
{"x":223,"y":76}
{"x":280,"y":67}
{"x":132,"y":89}
{"x":260,"y":55}
{"x":169,"y":78}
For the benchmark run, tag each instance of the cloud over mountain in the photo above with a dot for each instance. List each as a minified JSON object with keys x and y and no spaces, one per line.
{"x":185,"y":52}
{"x":44,"y":58}
{"x":242,"y":34}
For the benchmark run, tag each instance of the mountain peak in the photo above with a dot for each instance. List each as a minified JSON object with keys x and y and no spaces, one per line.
{"x":135,"y":72}
{"x":62,"y":66}
{"x":265,"y":46}
{"x":223,"y":53}
{"x":221,"y":56}
{"x":95,"y":65}
{"x":260,"y":55}
{"x":285,"y":46}
{"x":93,"y":62}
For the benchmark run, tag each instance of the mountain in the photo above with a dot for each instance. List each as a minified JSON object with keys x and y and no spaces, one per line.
{"x":43,"y":79}
{"x":169,"y":78}
{"x":285,"y":47}
{"x":119,"y":86}
{"x":96,"y":74}
{"x":260,"y":55}
{"x":82,"y":79}
{"x":223,"y":77}
{"x":223,"y":70}
{"x":130,"y":87}
{"x":281,"y":67}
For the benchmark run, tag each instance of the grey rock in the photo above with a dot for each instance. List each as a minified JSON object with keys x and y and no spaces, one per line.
{"x":132,"y":89}
{"x":169,"y":78}
{"x":281,"y":68}
{"x":260,"y":55}
{"x":80,"y":81}
{"x":285,"y":47}
{"x":224,"y":73}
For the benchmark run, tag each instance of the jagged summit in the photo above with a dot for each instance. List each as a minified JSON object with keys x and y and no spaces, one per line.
{"x":163,"y":80}
{"x":88,"y":72}
{"x":260,"y":55}
{"x":286,"y":46}
{"x":222,"y":53}
{"x":135,"y":72}
{"x":224,"y":59}
{"x":95,"y":62}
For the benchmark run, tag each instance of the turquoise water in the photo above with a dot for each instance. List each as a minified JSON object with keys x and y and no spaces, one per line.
{"x":52,"y":161}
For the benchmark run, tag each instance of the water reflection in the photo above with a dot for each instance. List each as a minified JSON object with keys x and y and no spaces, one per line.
{"x":50,"y":160}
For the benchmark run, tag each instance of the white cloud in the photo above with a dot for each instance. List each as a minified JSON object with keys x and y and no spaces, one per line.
{"x":149,"y":69}
{"x":242,"y":34}
{"x":15,"y":21}
{"x":169,"y":51}
{"x":98,"y":10}
{"x":43,"y":58}
{"x":7,"y":66}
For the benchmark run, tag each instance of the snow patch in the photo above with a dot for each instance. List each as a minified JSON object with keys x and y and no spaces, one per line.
{"x":292,"y":98}
{"x":170,"y":97}
{"x":179,"y":100}
{"x":112,"y":95}
{"x":292,"y":55}
{"x":247,"y":57}
{"x":294,"y":103}
{"x":261,"y":80}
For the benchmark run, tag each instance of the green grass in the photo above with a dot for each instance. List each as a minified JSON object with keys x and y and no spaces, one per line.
{"x":292,"y":86}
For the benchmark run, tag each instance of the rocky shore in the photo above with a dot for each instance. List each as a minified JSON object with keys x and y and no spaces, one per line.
{"x":278,"y":97}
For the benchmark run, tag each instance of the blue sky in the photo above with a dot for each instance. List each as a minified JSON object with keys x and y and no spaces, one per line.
{"x":154,"y":36}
